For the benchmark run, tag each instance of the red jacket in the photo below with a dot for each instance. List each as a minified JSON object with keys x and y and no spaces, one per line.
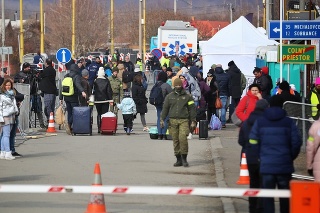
{"x":246,"y":106}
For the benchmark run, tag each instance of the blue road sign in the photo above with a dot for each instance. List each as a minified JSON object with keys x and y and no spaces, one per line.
{"x":295,"y":30}
{"x":63,"y":55}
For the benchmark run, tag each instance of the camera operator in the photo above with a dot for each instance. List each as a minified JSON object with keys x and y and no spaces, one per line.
{"x":30,"y":76}
{"x":48,"y":87}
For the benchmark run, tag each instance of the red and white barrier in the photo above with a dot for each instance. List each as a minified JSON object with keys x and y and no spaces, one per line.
{"x":147,"y":190}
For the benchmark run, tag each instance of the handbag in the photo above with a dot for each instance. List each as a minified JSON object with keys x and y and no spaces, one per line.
{"x":218,"y":102}
{"x":235,"y":120}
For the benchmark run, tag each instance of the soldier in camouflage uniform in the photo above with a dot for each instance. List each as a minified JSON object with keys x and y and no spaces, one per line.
{"x":117,"y":91}
{"x":181,"y":110}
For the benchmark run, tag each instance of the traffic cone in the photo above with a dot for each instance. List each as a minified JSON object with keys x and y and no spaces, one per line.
{"x":244,"y":173}
{"x":96,"y":203}
{"x":196,"y":131}
{"x":51,"y":127}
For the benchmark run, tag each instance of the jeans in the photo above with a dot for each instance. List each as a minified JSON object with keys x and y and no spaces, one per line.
{"x":224,"y":100}
{"x":5,"y":143}
{"x":70,"y":106}
{"x":49,"y":104}
{"x":255,"y":203}
{"x":271,"y":181}
{"x":161,"y":131}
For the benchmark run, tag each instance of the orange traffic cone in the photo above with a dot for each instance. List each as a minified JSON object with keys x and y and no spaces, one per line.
{"x":196,"y":131}
{"x":96,"y":203}
{"x":244,"y":173}
{"x":51,"y":127}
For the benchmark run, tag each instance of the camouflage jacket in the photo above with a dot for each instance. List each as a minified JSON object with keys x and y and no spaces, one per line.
{"x":116,"y":86}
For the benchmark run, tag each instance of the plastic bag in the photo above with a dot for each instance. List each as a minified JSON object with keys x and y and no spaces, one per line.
{"x":215,"y":123}
{"x":108,"y":114}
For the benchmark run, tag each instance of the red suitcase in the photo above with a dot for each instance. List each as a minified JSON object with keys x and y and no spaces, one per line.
{"x":109,"y":125}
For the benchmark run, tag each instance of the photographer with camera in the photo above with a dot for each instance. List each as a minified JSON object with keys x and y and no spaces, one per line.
{"x":31,"y":77}
{"x":48,"y":87}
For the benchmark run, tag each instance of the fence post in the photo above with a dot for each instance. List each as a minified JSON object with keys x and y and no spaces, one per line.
{"x":305,"y":197}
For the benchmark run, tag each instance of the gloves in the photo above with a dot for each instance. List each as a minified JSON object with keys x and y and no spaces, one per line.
{"x":161,"y":124}
{"x":310,"y":172}
{"x":193,"y":126}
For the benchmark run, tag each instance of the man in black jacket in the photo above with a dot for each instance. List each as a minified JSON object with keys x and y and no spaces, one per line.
{"x":48,"y":87}
{"x":263,"y":81}
{"x":236,"y":90}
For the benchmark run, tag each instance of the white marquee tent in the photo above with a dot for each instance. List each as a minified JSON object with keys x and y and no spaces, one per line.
{"x":238,"y":42}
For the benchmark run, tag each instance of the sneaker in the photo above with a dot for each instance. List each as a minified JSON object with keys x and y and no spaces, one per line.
{"x":145,"y":129}
{"x":229,"y":121}
{"x":2,"y":155}
{"x":189,"y":136}
{"x":16,"y":154}
{"x":125,"y":129}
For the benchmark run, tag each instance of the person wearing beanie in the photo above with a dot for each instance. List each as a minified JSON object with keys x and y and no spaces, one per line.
{"x":166,"y":89}
{"x":313,"y":98}
{"x":117,"y":91}
{"x":102,"y":92}
{"x":180,"y":108}
{"x":277,"y":142}
{"x":252,"y":153}
{"x":170,"y":75}
{"x":286,"y":93}
{"x":84,"y":101}
{"x":129,"y":111}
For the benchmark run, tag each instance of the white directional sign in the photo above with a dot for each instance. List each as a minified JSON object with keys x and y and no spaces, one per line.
{"x":5,"y":50}
{"x":63,"y":55}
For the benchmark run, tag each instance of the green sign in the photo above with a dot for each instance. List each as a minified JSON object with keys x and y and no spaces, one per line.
{"x":298,"y":54}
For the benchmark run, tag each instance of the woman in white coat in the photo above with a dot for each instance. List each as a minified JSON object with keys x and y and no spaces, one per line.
{"x":8,"y":110}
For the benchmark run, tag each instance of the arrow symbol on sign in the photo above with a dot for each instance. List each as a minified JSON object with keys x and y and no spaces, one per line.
{"x":63,"y":56}
{"x":276,"y":29}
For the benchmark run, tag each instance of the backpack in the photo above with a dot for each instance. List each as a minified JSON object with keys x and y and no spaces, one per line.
{"x":156,"y":98}
{"x":194,"y":87}
{"x":67,"y":86}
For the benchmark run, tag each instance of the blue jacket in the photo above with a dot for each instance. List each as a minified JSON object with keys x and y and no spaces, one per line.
{"x":93,"y":71}
{"x":223,"y":81}
{"x":278,"y":140}
{"x":252,"y":151}
{"x":127,"y":106}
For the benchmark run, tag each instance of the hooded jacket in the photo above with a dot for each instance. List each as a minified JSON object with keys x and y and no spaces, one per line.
{"x":127,"y":106}
{"x":235,"y":78}
{"x":278,"y":141}
{"x":74,"y":74}
{"x":246,"y":106}
{"x":193,"y":86}
{"x":165,"y":87}
{"x":223,"y":81}
{"x":48,"y":80}
{"x":313,"y":152}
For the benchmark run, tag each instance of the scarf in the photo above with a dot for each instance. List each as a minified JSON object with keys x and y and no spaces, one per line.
{"x":9,"y":94}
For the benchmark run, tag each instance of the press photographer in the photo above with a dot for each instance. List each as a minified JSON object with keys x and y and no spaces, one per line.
{"x":30,"y":76}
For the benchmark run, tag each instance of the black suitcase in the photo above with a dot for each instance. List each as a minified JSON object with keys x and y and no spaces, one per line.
{"x":81,"y":120}
{"x":203,"y":129}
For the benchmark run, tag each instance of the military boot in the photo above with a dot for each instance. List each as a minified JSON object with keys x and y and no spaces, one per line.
{"x":184,"y":160}
{"x":99,"y":123}
{"x":179,"y":162}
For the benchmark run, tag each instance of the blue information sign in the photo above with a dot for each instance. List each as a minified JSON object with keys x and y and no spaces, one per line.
{"x":63,"y":55}
{"x":295,"y":30}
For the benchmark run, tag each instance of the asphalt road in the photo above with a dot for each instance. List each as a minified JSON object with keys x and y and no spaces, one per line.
{"x":133,"y":160}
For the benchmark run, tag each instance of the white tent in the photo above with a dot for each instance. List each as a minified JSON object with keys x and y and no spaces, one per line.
{"x":238,"y":42}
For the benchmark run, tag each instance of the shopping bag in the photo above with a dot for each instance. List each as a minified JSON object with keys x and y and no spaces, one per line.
{"x":218,"y":103}
{"x":215,"y":123}
{"x":59,"y":116}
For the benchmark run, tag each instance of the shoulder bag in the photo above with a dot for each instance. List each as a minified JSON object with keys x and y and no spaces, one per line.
{"x":218,"y":102}
{"x":235,"y":120}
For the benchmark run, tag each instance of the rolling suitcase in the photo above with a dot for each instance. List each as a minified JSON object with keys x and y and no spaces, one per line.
{"x":81,"y":121}
{"x":203,"y":129}
{"x":109,"y":125}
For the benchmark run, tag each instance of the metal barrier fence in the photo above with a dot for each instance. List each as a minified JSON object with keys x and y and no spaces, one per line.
{"x":24,"y":116}
{"x":302,"y":114}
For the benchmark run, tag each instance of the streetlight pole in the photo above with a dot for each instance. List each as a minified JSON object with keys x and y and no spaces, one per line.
{"x":41,"y":28}
{"x":144,"y":30}
{"x":21,"y":32}
{"x":3,"y":33}
{"x":140,"y":28}
{"x":73,"y":38}
{"x":111,"y":27}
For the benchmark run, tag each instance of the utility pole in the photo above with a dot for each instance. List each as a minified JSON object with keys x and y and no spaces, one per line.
{"x":73,"y":38}
{"x":3,"y":33}
{"x":144,"y":30}
{"x":140,"y":27}
{"x":175,"y":7}
{"x":21,"y":32}
{"x":230,"y":8}
{"x":267,"y":11}
{"x":41,"y":28}
{"x":111,"y":27}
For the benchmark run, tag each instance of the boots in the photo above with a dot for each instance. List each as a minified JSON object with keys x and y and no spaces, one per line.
{"x":160,"y":137}
{"x":184,"y":160}
{"x":2,"y":154}
{"x":68,"y":129}
{"x":179,"y":162}
{"x":41,"y":121}
{"x":128,"y":131}
{"x":99,"y":122}
{"x":8,"y":156}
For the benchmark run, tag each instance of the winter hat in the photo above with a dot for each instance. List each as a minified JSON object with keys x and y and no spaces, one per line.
{"x":137,"y":68}
{"x":126,"y":94}
{"x":293,"y":87}
{"x":184,"y":70}
{"x":101,"y":73}
{"x":231,"y":63}
{"x":193,"y":71}
{"x":84,"y":73}
{"x":162,"y":77}
{"x":284,"y":85}
{"x":169,"y":69}
{"x":317,"y":81}
{"x":218,"y":65}
{"x":213,"y":66}
{"x":115,"y":69}
{"x":262,"y":104}
{"x":265,"y":70}
{"x":177,"y":82}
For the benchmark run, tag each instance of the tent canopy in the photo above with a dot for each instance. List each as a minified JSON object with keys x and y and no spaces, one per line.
{"x":238,"y":42}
